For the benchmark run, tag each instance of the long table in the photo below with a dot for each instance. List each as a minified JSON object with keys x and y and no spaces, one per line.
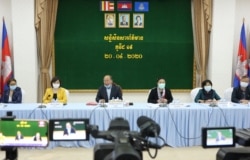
{"x":180,"y":123}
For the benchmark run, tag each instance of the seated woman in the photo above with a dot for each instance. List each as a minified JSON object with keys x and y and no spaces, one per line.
{"x":56,"y":93}
{"x":206,"y":94}
{"x":12,"y":93}
{"x":160,"y":94}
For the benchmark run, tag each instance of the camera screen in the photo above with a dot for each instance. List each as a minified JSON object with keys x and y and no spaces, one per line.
{"x":68,"y":129}
{"x":218,"y":137}
{"x":24,"y":133}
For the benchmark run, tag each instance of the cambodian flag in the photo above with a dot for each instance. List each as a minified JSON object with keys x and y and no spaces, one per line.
{"x":124,"y":6}
{"x":6,"y":66}
{"x":241,"y":64}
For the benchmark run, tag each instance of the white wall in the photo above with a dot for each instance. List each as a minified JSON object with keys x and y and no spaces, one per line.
{"x":19,"y":19}
{"x":222,"y":44}
{"x":227,"y":21}
{"x":25,"y":53}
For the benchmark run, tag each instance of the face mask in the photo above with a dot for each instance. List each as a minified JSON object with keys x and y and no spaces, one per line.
{"x":13,"y":87}
{"x":161,"y":85}
{"x":208,"y":88}
{"x":56,"y":85}
{"x":108,"y":86}
{"x":243,"y":84}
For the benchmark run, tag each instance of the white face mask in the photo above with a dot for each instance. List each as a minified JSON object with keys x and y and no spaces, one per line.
{"x":161,"y":85}
{"x":56,"y":85}
{"x":208,"y":88}
{"x":243,"y":84}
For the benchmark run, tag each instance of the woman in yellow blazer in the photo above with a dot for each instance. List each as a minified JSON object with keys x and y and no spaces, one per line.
{"x":56,"y":93}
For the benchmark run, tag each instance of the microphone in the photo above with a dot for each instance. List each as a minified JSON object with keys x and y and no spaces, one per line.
{"x":42,"y":105}
{"x":154,"y":145}
{"x":148,"y":127}
{"x":94,"y":131}
{"x":213,"y":104}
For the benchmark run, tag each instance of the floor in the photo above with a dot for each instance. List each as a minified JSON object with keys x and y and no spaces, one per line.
{"x":167,"y":153}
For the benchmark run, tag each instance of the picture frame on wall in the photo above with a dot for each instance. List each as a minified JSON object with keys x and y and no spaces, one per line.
{"x":138,"y":20}
{"x":124,"y":20}
{"x":109,"y":20}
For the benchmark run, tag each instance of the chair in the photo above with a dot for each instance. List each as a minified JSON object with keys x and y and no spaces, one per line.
{"x":194,"y":92}
{"x":23,"y":94}
{"x":67,"y":94}
{"x":149,"y":91}
{"x":228,"y":94}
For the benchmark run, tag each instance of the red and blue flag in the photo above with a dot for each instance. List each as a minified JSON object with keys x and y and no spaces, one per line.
{"x":242,"y":58}
{"x":6,"y":66}
{"x":124,"y":5}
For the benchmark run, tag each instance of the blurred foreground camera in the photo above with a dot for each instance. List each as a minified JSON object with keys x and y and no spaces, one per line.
{"x":225,"y":138}
{"x":126,"y":144}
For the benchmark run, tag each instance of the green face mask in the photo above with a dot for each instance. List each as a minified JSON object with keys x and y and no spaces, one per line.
{"x":161,"y":85}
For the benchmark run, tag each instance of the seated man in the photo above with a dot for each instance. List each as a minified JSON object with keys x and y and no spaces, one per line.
{"x":108,"y":91}
{"x":220,"y":137}
{"x":19,"y":135}
{"x":69,"y":129}
{"x":37,"y":137}
{"x":241,"y":94}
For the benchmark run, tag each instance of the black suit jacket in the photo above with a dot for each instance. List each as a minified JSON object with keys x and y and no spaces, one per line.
{"x":138,"y":24}
{"x":237,"y":94}
{"x":37,"y":139}
{"x":18,"y":138}
{"x":115,"y":93}
{"x":124,"y":23}
{"x":153,"y":95}
{"x":16,"y":97}
{"x":72,"y":130}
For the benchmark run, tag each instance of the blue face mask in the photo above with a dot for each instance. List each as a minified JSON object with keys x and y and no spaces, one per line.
{"x":13,"y":87}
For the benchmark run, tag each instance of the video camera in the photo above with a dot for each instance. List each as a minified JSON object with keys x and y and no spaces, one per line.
{"x":127,"y":145}
{"x":226,"y":138}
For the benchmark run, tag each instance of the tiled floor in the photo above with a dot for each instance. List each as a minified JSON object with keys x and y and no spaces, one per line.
{"x":167,"y":153}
